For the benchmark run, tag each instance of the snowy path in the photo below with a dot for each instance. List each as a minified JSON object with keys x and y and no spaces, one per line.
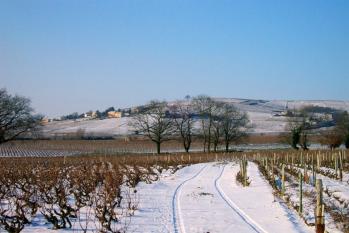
{"x":206,"y":198}
{"x":176,"y":206}
{"x":204,"y":210}
{"x":157,"y":206}
{"x":258,"y":202}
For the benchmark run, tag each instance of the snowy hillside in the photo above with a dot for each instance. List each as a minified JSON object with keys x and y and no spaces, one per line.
{"x":264,"y":115}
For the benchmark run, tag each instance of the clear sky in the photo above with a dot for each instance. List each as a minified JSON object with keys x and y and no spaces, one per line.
{"x":69,"y":55}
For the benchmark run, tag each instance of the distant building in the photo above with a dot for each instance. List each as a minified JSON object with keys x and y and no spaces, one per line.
{"x":114,"y":114}
{"x":90,"y":114}
{"x":44,"y":121}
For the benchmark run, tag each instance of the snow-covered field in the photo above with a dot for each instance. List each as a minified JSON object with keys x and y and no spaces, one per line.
{"x":263,"y":115}
{"x":206,"y":198}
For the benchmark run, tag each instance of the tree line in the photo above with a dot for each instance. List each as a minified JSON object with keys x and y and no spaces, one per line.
{"x":215,"y":122}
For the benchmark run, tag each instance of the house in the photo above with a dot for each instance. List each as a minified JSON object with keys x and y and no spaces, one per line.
{"x":44,"y":121}
{"x":90,"y":114}
{"x":114,"y":114}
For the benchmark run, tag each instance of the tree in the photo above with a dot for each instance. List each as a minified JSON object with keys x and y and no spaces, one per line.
{"x":72,"y":116}
{"x":16,"y":116}
{"x":339,"y":133}
{"x":346,"y":141}
{"x":204,"y":107}
{"x":99,"y":115}
{"x":234,"y":125}
{"x":154,"y":122}
{"x":295,"y":136}
{"x":342,"y":125}
{"x":217,"y":121}
{"x":298,"y":125}
{"x":332,"y":138}
{"x":184,"y":122}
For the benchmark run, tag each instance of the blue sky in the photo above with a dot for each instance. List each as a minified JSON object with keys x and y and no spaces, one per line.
{"x":69,"y":55}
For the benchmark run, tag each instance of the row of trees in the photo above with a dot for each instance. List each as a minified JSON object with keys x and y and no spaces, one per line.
{"x":98,"y":114}
{"x":213,"y":121}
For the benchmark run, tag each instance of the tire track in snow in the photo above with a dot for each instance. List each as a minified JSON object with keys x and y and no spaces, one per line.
{"x":255,"y":226}
{"x":175,"y":203}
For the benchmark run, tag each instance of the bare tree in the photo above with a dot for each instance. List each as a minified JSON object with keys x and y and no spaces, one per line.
{"x":154,"y":122}
{"x":217,"y":123}
{"x":16,"y":116}
{"x":332,"y":138}
{"x":234,"y":124}
{"x":298,"y":124}
{"x":338,"y":134}
{"x":204,"y":106}
{"x":184,"y":122}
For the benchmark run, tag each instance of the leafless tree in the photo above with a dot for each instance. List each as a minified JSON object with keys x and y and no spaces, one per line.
{"x":204,"y":106}
{"x":16,"y":116}
{"x":234,"y":124}
{"x":184,"y":122}
{"x":154,"y":122}
{"x":338,"y":134}
{"x":298,"y":125}
{"x":217,"y":123}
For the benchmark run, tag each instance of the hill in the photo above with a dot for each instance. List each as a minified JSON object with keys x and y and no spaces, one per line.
{"x":267,"y":116}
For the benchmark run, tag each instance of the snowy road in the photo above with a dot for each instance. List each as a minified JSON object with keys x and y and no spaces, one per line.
{"x":206,"y":198}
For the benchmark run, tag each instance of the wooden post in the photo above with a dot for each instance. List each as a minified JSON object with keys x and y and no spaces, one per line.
{"x":319,"y":211}
{"x":245,"y":171}
{"x":340,"y":166}
{"x":272,"y":169}
{"x":305,"y":173}
{"x":313,"y":170}
{"x":300,"y":210}
{"x":336,"y":166}
{"x":283,"y":180}
{"x":318,"y":161}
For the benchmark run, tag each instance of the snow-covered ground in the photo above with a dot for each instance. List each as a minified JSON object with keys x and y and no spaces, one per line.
{"x":205,"y":198}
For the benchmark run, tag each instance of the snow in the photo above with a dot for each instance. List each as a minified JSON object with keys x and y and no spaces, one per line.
{"x":335,"y":196}
{"x":261,"y":113}
{"x":205,"y":198}
{"x":258,"y":202}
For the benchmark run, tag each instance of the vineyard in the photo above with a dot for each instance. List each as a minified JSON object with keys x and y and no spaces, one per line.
{"x":167,"y":193}
{"x":56,"y":148}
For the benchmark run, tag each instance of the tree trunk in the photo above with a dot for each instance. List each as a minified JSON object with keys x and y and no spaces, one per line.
{"x":226,"y":146}
{"x":186,"y":144}
{"x":215,"y":146}
{"x":187,"y":147}
{"x":209,"y":140}
{"x":2,"y":136}
{"x":158,"y":147}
